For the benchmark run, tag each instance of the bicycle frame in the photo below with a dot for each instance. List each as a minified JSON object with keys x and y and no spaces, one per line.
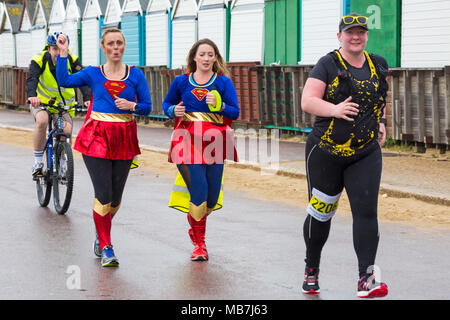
{"x":54,"y":133}
{"x":58,"y":176}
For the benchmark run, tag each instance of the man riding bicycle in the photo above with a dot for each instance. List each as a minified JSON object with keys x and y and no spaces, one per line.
{"x":41,"y":87}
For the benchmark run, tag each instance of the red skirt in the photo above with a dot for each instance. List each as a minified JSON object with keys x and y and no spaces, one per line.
{"x":201,"y":142}
{"x":108,"y":140}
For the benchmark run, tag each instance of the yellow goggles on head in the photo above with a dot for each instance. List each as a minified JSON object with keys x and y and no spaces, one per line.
{"x":361,"y":20}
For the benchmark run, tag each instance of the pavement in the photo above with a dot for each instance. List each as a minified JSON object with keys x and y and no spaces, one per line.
{"x":255,"y":254}
{"x":284,"y":158}
{"x":49,"y":256}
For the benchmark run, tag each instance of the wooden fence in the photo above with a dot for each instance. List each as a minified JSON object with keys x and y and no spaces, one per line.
{"x":421,"y":105}
{"x":279,"y":96}
{"x":418,"y":103}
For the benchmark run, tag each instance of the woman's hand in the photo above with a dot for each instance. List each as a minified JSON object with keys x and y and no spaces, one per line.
{"x":382,"y":134}
{"x":124,"y":104}
{"x":346,"y":109}
{"x":211,"y":99}
{"x":179,"y":110}
{"x":63,"y":45}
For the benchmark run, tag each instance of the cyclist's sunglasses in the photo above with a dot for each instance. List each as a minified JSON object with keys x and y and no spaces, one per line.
{"x":361,"y":20}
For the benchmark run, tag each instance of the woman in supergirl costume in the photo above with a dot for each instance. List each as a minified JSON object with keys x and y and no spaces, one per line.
{"x":346,"y":91}
{"x":108,"y":138}
{"x":203,"y":102}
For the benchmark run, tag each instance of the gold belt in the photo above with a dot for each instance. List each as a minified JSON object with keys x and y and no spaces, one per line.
{"x":203,"y":116}
{"x":112,"y":117}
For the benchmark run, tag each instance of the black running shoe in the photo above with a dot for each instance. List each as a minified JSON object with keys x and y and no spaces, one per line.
{"x":311,"y":282}
{"x":368,"y":287}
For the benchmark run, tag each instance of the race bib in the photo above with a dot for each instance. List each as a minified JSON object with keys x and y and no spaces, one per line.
{"x":322,"y":206}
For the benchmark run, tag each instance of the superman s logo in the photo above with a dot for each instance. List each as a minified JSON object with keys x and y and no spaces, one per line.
{"x":200,"y":93}
{"x":114,"y":88}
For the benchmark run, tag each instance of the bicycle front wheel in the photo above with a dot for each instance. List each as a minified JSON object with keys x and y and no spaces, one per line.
{"x":44,"y":182}
{"x":63,"y":177}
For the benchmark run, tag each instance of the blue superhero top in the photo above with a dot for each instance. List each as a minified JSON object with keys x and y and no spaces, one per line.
{"x":104,"y":91}
{"x":184,"y":88}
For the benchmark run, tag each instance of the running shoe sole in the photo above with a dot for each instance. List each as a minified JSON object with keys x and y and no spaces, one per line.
{"x":378,"y":292}
{"x":311,"y":291}
{"x":199,"y":258}
{"x":110,"y":263}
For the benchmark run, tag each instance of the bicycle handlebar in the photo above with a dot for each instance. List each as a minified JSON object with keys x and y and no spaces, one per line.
{"x":60,"y":106}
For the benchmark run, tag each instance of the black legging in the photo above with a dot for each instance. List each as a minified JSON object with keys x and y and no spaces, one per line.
{"x":360,"y":176}
{"x":108,"y":178}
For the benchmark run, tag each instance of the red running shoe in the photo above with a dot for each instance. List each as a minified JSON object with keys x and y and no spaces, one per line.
{"x":311,"y":282}
{"x":200,"y":253}
{"x":197,"y":234}
{"x":369,"y":288}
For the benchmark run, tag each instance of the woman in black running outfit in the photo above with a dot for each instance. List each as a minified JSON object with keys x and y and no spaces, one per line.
{"x":346,"y":91}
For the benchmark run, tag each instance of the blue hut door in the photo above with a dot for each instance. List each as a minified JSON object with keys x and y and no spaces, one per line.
{"x":132,"y":32}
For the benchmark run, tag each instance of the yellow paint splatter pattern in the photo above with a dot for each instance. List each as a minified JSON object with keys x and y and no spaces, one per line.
{"x":345,"y":138}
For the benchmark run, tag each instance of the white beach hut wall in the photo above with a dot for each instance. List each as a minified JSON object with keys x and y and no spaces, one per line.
{"x":212,"y":23}
{"x":24,"y":52}
{"x":158,"y":31}
{"x":247,"y":31}
{"x":39,"y":26}
{"x":72,"y":25}
{"x":184,"y":30}
{"x":91,"y":24}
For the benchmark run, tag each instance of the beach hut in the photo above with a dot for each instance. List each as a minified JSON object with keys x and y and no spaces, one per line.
{"x":213,"y":19}
{"x":113,"y":14}
{"x":91,"y":24}
{"x":425,"y":32}
{"x":72,"y":24}
{"x":24,"y":52}
{"x":184,"y":30}
{"x":247,"y":31}
{"x":319,"y":35}
{"x":8,"y":30}
{"x":158,"y":32}
{"x":133,"y":28}
{"x":57,"y":15}
{"x":40,"y":24}
{"x":282,"y":22}
{"x":384,"y":25}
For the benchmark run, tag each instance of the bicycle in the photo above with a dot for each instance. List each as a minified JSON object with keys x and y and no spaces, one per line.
{"x":58,"y":171}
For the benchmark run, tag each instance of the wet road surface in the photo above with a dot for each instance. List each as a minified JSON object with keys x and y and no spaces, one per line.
{"x":256,"y":247}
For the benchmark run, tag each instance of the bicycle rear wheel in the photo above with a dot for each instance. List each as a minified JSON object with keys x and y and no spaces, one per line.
{"x":63,"y":177}
{"x":44,"y":182}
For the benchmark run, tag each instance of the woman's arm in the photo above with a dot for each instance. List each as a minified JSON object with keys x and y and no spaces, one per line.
{"x":75,"y":80}
{"x":144,"y":101}
{"x":231,"y":104}
{"x":171,"y":100}
{"x":313,"y":103}
{"x":63,"y":78}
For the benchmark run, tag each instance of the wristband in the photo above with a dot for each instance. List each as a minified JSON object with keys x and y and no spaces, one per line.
{"x":171,"y":112}
{"x":384,"y":121}
{"x":218,"y":105}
